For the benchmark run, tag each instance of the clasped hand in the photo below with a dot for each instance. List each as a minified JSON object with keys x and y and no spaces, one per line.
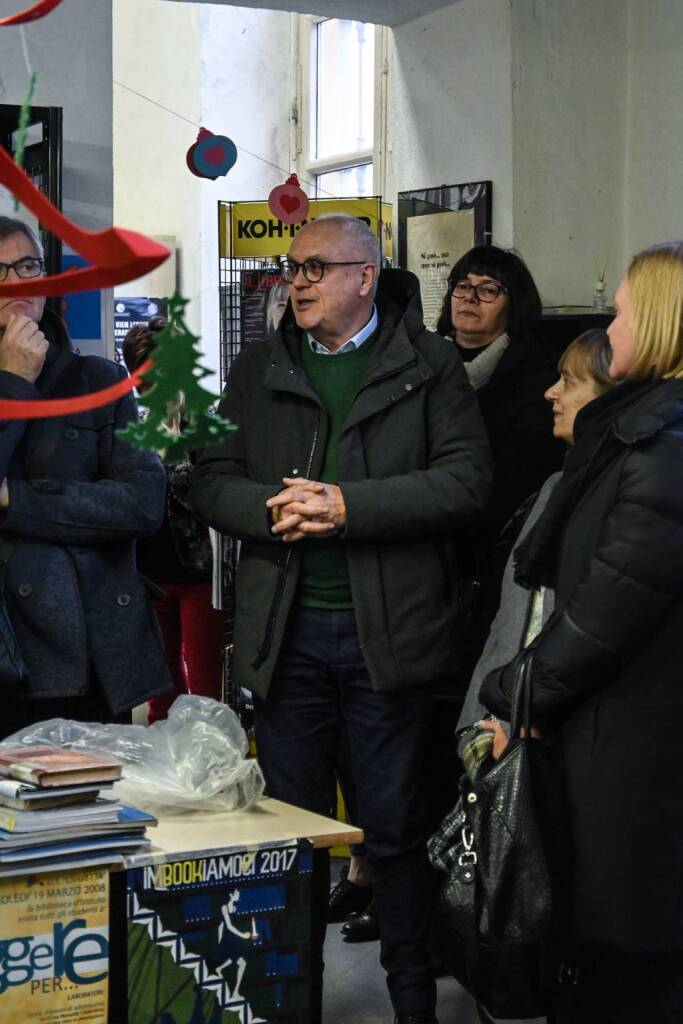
{"x":307,"y":508}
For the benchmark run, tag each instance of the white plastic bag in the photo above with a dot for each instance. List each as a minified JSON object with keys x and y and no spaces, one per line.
{"x":194,"y":760}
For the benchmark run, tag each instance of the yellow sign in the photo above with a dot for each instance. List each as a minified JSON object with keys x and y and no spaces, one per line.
{"x":250,"y":231}
{"x":54,"y":948}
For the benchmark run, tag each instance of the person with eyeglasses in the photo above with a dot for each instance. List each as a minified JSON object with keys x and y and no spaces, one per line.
{"x":359,"y":454}
{"x":73,"y":501}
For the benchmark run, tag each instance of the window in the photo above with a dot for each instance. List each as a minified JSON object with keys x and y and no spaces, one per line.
{"x":338,"y":103}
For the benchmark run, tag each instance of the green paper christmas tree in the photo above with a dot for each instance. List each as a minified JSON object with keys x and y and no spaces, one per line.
{"x":179,"y":417}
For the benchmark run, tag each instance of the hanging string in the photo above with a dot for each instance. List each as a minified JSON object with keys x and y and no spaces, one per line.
{"x":255,"y":156}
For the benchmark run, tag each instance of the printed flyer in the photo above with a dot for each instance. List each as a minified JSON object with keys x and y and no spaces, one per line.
{"x":221,"y":939}
{"x":54,"y":948}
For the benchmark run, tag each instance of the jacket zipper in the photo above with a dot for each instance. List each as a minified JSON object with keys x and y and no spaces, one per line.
{"x":264,"y":649}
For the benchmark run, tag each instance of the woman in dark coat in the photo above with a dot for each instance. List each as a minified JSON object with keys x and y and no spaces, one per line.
{"x":607,"y":665}
{"x":491,"y":311}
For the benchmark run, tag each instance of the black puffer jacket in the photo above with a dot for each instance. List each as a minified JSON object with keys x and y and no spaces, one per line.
{"x":608,"y":681}
{"x":414,"y":466}
{"x":73,"y":593}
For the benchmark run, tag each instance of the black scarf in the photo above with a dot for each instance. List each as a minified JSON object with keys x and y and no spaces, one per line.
{"x":595,"y":446}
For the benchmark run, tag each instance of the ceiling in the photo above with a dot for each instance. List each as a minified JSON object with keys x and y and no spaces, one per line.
{"x":380,"y":12}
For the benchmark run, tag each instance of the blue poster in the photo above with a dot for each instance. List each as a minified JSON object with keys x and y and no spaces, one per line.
{"x":221,"y":939}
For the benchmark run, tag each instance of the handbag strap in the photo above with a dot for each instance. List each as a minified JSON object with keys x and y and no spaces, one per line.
{"x":520,"y":712}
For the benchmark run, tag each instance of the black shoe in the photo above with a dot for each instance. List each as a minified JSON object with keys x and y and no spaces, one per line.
{"x":362,"y":927}
{"x":425,"y":1017}
{"x":347,"y":898}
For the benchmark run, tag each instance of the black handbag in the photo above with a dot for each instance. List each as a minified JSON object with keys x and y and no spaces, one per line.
{"x":496,"y":851}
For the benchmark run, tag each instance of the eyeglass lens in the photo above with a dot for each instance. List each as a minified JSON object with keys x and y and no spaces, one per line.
{"x":485,"y":291}
{"x":312,"y":270}
{"x":28,"y":267}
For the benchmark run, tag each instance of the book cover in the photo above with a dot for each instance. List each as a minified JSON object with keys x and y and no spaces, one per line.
{"x":99,"y":812}
{"x":24,"y":795}
{"x":129,"y":820}
{"x":53,"y":766}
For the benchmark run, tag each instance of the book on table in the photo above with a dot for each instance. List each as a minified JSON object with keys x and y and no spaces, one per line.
{"x":27,"y":796}
{"x":129,"y":821}
{"x":99,"y":812}
{"x":55,"y":766}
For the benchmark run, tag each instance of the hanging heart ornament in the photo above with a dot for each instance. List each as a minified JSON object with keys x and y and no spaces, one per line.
{"x":288,"y":202}
{"x":211,"y":156}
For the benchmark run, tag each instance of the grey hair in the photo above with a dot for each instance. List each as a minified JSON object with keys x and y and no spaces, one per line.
{"x":357,"y":231}
{"x":13,"y":226}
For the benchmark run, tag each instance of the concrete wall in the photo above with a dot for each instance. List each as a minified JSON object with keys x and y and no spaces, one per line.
{"x":569,"y":90}
{"x":654,"y":143}
{"x":450,"y":104}
{"x":571,"y":108}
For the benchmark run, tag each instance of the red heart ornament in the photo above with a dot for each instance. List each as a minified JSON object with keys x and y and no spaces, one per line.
{"x":38,"y":10}
{"x":288,"y":202}
{"x":116,"y":255}
{"x":214,"y":155}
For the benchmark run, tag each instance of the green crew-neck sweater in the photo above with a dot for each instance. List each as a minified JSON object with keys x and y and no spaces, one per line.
{"x":336,"y":379}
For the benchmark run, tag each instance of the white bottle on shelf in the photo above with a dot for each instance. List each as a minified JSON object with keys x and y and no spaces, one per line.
{"x":599,"y":301}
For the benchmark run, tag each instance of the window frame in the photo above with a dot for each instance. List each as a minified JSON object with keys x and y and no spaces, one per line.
{"x":304,"y":111}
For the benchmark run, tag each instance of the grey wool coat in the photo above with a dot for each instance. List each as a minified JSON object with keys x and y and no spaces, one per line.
{"x":413,"y":465}
{"x":507,"y":632}
{"x":74,"y":597}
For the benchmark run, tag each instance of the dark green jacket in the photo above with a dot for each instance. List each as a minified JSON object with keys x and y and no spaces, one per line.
{"x":413,"y":466}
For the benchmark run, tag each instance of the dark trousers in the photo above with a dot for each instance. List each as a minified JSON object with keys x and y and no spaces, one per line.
{"x":321,"y":698}
{"x":615,"y":987}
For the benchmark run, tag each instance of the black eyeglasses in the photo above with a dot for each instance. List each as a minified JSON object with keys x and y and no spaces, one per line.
{"x":486,"y":291}
{"x":28,"y":266}
{"x":313,"y":270}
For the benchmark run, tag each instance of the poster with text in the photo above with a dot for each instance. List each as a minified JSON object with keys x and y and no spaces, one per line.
{"x":263,"y":300}
{"x":54,"y":948}
{"x":222,"y":939}
{"x":435,"y":241}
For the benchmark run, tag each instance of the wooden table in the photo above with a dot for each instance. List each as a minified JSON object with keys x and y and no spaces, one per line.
{"x":221,"y":916}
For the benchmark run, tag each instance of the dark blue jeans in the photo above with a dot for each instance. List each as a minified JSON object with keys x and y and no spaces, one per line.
{"x":321,"y":698}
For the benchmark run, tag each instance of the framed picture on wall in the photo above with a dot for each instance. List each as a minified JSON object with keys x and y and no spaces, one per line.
{"x":435,"y":227}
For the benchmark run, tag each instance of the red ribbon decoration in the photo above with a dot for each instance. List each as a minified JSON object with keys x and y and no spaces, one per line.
{"x":116,"y":254}
{"x":44,"y":408}
{"x":38,"y":10}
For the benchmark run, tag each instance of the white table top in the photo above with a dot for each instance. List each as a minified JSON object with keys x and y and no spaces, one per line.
{"x":270,"y":822}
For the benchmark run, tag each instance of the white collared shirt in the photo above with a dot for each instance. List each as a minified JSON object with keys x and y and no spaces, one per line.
{"x":353,"y":343}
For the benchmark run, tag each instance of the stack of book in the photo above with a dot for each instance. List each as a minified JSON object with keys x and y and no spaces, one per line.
{"x":57,"y":810}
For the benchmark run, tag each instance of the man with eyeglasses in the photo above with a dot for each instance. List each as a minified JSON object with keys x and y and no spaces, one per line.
{"x":359,"y":453}
{"x":73,"y":499}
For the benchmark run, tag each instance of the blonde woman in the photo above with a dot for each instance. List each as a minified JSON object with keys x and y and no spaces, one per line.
{"x":607,"y":674}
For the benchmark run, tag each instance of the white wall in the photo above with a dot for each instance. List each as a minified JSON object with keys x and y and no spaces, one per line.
{"x":654,"y":144}
{"x":569,"y":115}
{"x":227,"y":69}
{"x":450,"y":104}
{"x":245,"y":94}
{"x":156,"y":53}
